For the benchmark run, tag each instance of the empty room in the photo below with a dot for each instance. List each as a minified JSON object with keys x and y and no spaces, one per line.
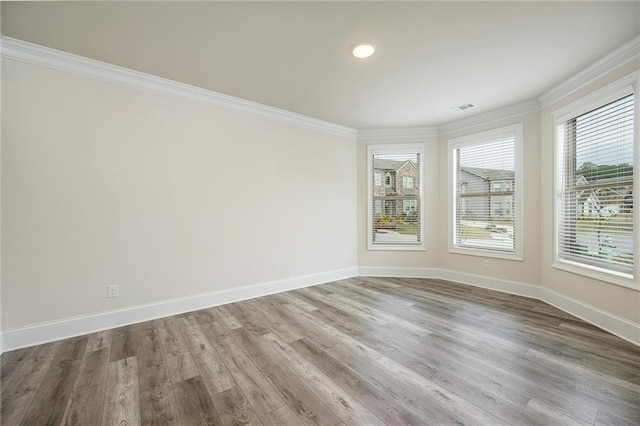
{"x":319,"y":213}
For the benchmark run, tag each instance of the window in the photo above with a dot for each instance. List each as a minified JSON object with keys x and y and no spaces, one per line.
{"x":377,"y":179}
{"x":409,"y":206}
{"x":595,"y":157}
{"x":497,"y":209}
{"x":484,"y":188}
{"x":377,"y":207}
{"x":395,"y":218}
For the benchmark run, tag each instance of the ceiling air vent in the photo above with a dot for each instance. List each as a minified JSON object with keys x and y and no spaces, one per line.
{"x":463,"y":107}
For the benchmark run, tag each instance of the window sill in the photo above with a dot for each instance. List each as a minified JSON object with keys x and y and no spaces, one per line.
{"x":396,"y":247}
{"x":485,"y":253}
{"x":611,"y":277}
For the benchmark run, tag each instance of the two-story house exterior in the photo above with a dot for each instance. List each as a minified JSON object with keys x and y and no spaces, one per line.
{"x":486,"y":193}
{"x":395,"y":188}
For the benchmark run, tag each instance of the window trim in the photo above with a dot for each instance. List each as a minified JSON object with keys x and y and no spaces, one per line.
{"x":396,"y":149}
{"x":609,"y":93}
{"x":474,"y":139}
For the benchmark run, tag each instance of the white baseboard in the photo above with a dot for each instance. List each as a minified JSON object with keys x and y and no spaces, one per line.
{"x":400,"y":272}
{"x":70,"y":327}
{"x":614,"y":324}
{"x":505,"y":286}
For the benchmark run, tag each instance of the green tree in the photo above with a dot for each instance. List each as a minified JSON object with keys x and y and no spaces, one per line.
{"x":594,"y":172}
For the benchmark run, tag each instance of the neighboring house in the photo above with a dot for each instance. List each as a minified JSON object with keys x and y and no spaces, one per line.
{"x":588,"y":201}
{"x":395,"y":187}
{"x":588,"y":204}
{"x":486,"y":193}
{"x":627,"y":202}
{"x":603,"y":201}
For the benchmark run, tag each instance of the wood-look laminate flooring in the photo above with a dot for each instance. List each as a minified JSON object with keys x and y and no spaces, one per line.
{"x":367,"y":351}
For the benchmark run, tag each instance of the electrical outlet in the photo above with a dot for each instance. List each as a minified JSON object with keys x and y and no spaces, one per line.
{"x":112,"y":291}
{"x":485,"y":263}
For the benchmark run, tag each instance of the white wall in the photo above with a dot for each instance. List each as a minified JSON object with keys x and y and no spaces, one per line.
{"x":105,"y":184}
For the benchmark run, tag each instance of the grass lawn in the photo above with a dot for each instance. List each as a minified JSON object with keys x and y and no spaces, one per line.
{"x":620,"y":224}
{"x":475,"y":233}
{"x":407,"y":228}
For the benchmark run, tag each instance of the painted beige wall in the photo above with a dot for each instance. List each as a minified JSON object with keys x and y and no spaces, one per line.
{"x":526,"y":271}
{"x":394,"y":258}
{"x":105,"y":184}
{"x":614,"y":299}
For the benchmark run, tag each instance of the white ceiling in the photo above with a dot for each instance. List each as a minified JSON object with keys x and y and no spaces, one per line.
{"x":295,"y":55}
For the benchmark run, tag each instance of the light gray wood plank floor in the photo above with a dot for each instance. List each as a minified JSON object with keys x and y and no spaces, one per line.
{"x":359,"y":351}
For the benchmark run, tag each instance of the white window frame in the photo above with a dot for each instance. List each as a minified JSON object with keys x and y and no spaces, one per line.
{"x":616,"y":90}
{"x":378,"y":179}
{"x":516,"y":131}
{"x":408,"y":148}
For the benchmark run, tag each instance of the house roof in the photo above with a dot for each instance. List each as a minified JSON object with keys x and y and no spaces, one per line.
{"x":383,"y":164}
{"x":490,"y":174}
{"x":581,"y":181}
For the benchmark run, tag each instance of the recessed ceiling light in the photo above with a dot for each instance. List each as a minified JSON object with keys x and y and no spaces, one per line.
{"x":363,"y":50}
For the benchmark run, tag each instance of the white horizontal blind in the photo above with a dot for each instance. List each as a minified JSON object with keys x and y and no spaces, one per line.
{"x":595,"y":187}
{"x":485,"y":194}
{"x":396,"y":197}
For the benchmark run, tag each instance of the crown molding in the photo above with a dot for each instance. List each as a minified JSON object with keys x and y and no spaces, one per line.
{"x":23,"y":51}
{"x":55,"y":59}
{"x":489,"y":116}
{"x":406,"y":132}
{"x":614,"y":60}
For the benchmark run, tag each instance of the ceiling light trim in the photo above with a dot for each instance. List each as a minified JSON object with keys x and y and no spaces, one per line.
{"x":35,"y":54}
{"x":390,"y":133}
{"x":363,"y":50}
{"x":614,"y":60}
